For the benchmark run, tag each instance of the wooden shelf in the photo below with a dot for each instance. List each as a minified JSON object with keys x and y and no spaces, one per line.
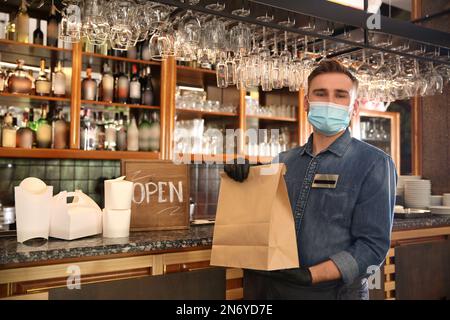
{"x":117,"y":104}
{"x":75,"y":154}
{"x":270,"y":118}
{"x":224,"y":157}
{"x":31,"y":53}
{"x":198,"y":70}
{"x":31,"y":46}
{"x":207,"y":113}
{"x":18,"y":97}
{"x":105,"y":57}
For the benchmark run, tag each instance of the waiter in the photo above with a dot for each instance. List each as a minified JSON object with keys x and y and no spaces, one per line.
{"x":342,"y":194}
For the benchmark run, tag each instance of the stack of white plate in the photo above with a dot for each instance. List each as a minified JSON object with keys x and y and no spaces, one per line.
{"x":442,"y":210}
{"x":417,"y":194}
{"x":401,"y":183}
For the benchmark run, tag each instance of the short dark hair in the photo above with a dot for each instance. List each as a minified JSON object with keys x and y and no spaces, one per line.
{"x":331,"y":66}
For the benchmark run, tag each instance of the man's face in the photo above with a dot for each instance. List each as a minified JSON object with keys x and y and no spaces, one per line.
{"x":332,"y":87}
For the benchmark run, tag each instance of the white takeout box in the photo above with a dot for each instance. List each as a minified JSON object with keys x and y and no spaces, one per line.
{"x":118,"y":194}
{"x":116,"y":223}
{"x":32,"y":212}
{"x":81,"y":218}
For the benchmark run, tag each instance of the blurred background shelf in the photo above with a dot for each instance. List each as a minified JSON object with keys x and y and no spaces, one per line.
{"x":76,"y":154}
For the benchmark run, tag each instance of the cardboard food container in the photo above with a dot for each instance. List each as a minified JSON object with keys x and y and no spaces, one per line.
{"x":81,"y":218}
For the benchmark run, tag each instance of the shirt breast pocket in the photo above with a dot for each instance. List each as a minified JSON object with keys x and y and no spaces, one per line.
{"x":336,"y":205}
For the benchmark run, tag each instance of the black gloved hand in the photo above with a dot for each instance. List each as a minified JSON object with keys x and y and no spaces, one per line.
{"x":239,"y":170}
{"x":300,"y":276}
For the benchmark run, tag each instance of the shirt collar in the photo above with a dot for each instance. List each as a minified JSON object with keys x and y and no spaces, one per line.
{"x":338,"y":147}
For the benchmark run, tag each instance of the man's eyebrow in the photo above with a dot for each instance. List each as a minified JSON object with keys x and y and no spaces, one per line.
{"x":342,"y":91}
{"x":320,"y":90}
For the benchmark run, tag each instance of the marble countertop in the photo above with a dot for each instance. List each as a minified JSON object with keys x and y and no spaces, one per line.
{"x":12,"y":252}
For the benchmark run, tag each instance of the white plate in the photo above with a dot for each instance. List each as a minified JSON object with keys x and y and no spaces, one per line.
{"x":440,"y":210}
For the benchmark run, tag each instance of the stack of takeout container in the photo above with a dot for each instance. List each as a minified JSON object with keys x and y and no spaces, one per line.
{"x":117,"y":211}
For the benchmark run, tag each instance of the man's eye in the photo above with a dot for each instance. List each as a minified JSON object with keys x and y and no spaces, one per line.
{"x":320,"y":94}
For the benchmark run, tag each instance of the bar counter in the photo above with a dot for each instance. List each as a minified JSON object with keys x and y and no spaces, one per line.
{"x":28,"y":272}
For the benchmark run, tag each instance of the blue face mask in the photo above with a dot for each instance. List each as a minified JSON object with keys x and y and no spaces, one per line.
{"x":328,"y":118}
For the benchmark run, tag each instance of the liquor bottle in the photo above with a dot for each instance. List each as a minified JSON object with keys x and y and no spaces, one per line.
{"x":59,"y":131}
{"x":8,"y":132}
{"x":22,"y":21}
{"x":19,"y":81}
{"x":148,"y":97}
{"x":132,"y":53}
{"x":52,"y":27}
{"x":135,"y":87}
{"x":123,"y":86}
{"x":145,"y":50}
{"x":25,"y":135}
{"x":88,"y":132}
{"x":111,"y":133}
{"x":155,"y":132}
{"x":100,"y":131}
{"x":38,"y":35}
{"x":2,"y":78}
{"x":107,"y":85}
{"x":43,"y":84}
{"x":145,"y":133}
{"x":133,"y":136}
{"x":89,"y":86}
{"x":44,"y":130}
{"x":32,"y":125}
{"x":122,"y":133}
{"x":10,"y":29}
{"x":59,"y":82}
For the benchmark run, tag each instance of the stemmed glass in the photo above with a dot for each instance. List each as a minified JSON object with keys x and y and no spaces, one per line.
{"x":277,"y":67}
{"x":286,"y":59}
{"x":216,"y":6}
{"x":70,"y":25}
{"x":266,"y":65}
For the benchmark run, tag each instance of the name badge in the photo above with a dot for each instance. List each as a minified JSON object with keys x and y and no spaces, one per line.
{"x":326,"y":181}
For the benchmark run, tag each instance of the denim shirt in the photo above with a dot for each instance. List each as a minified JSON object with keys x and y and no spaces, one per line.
{"x":350,"y":224}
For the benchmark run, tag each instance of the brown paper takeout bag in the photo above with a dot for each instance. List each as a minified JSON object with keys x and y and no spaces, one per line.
{"x":254,"y":226}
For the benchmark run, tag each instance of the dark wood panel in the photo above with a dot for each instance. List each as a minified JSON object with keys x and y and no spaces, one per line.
{"x":196,"y":285}
{"x":423,"y":271}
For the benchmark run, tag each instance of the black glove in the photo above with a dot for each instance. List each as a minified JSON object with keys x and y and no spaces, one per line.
{"x":300,"y":276}
{"x":239,"y":170}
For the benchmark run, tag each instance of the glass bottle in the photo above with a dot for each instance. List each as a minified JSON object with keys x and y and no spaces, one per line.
{"x":44,"y":130}
{"x":135,"y":87}
{"x":8,"y":132}
{"x":111,"y":133}
{"x":89,"y":86}
{"x":22,"y":21}
{"x":88,"y":132}
{"x":52,"y":28}
{"x":43,"y":84}
{"x":25,"y":135}
{"x":38,"y":35}
{"x":133,"y":136}
{"x":19,"y":81}
{"x":59,"y":82}
{"x":148,"y":97}
{"x":11,"y":28}
{"x":145,"y":133}
{"x":123,"y":85}
{"x":132,"y":53}
{"x":155,"y":132}
{"x":100,"y":131}
{"x":122,"y":133}
{"x":32,"y":125}
{"x":59,"y":131}
{"x":2,"y":78}
{"x":145,"y":51}
{"x":107,"y":84}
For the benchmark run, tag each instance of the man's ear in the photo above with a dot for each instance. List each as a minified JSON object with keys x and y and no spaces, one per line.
{"x":355,"y":108}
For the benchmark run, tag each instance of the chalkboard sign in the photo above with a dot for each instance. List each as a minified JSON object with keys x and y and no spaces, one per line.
{"x":160,"y":196}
